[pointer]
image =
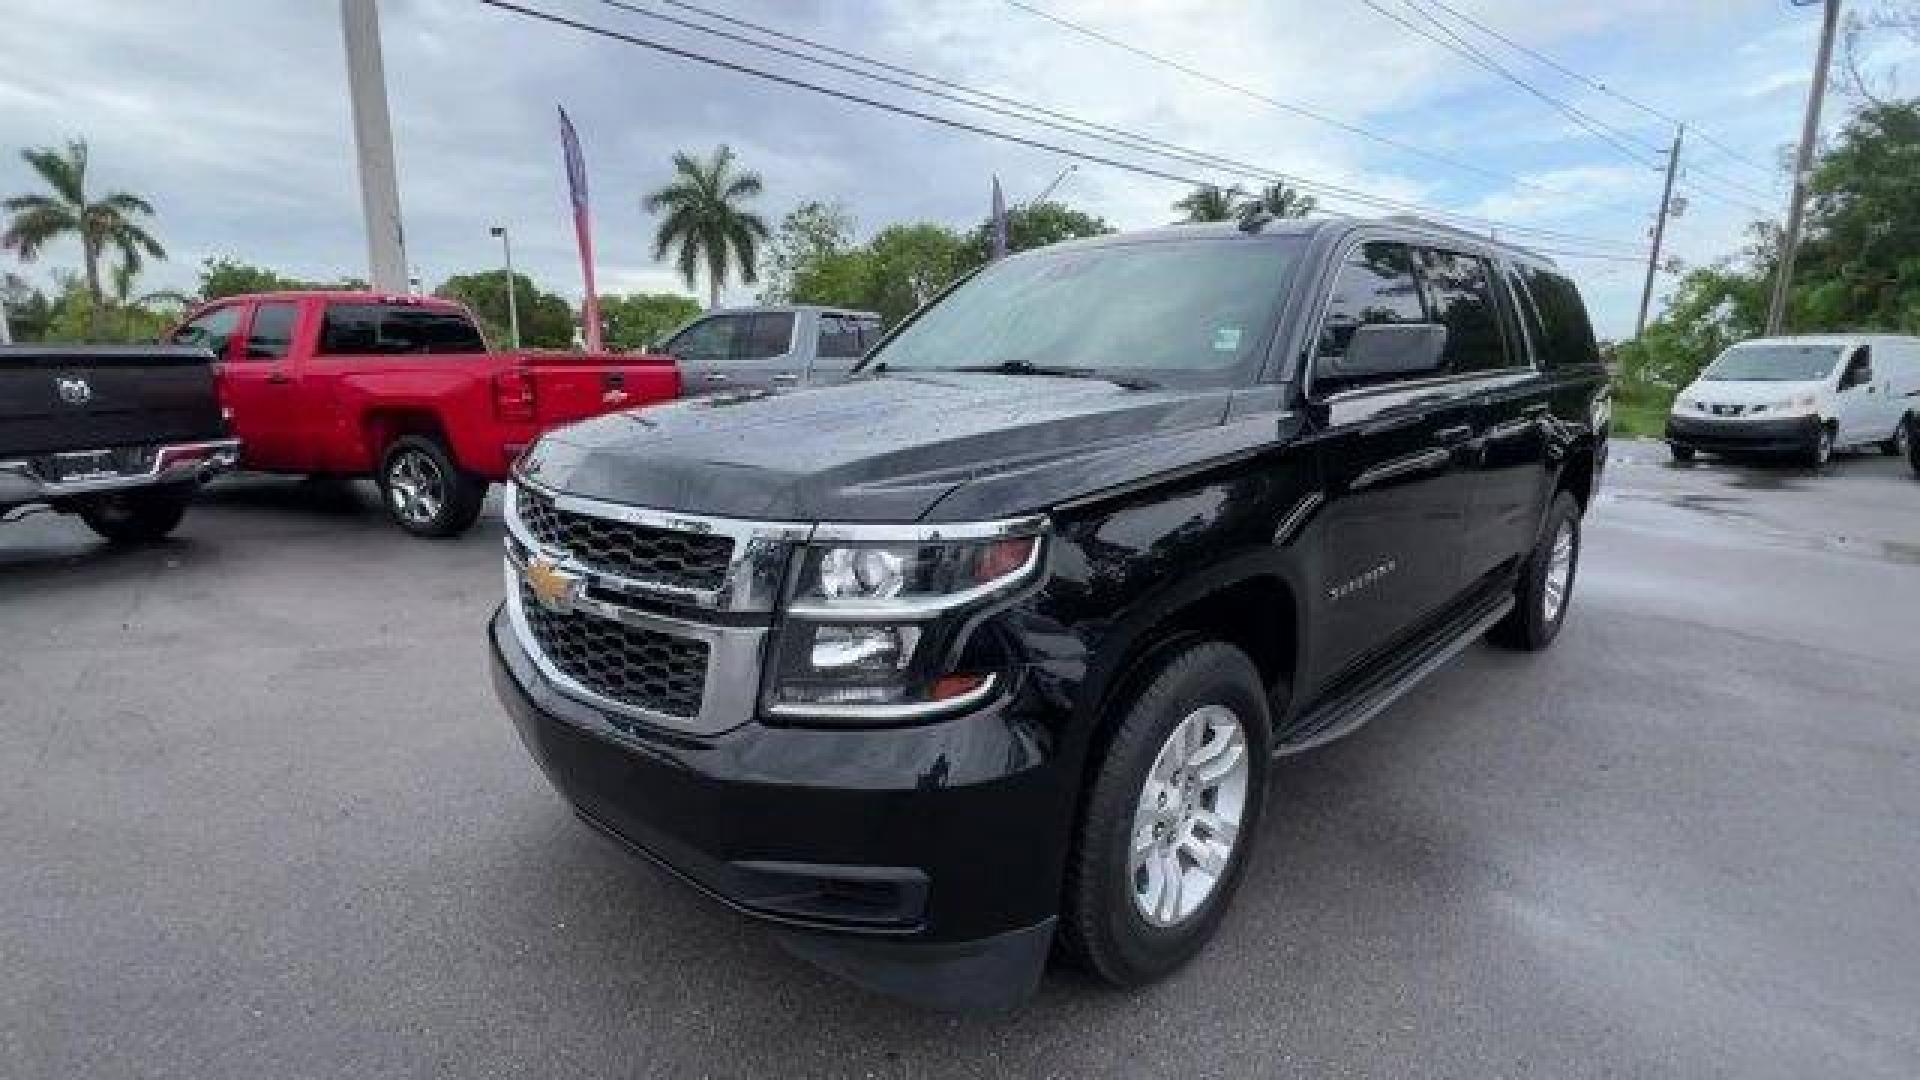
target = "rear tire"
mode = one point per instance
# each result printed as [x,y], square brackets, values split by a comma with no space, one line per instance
[1185,770]
[1545,589]
[137,517]
[424,490]
[1682,454]
[1901,445]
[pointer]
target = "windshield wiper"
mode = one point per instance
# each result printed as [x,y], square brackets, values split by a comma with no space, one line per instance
[1023,367]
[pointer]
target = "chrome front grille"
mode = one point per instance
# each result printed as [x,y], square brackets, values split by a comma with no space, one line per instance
[640,553]
[636,666]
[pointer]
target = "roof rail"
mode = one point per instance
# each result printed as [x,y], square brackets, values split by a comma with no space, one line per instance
[1465,234]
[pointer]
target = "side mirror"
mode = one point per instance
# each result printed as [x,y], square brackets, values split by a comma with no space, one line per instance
[1390,349]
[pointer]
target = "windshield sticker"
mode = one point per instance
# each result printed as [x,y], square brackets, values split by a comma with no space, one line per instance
[1226,338]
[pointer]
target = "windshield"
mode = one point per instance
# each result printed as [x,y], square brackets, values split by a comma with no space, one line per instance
[1773,362]
[1194,310]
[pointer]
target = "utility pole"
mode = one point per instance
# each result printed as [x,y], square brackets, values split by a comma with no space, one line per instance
[6,332]
[1802,167]
[373,139]
[1660,229]
[513,305]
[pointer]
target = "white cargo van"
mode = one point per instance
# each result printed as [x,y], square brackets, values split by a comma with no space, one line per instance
[1806,396]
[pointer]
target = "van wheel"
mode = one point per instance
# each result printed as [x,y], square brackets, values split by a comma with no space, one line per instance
[1821,451]
[1902,442]
[1681,453]
[1171,814]
[137,517]
[1545,589]
[425,492]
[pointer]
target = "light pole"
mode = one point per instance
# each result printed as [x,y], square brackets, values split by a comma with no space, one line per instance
[513,306]
[1057,181]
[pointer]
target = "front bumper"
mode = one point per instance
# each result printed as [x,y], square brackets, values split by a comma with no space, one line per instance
[923,861]
[26,481]
[1784,435]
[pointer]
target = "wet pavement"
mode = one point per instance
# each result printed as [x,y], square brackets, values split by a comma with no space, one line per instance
[262,818]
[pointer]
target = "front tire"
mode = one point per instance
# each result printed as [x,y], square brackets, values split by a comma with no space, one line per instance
[1901,445]
[1171,815]
[1682,454]
[1545,589]
[425,491]
[137,517]
[1821,451]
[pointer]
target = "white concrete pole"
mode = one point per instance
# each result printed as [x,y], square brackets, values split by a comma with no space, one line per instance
[373,140]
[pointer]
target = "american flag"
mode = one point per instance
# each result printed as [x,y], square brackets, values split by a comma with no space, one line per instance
[582,231]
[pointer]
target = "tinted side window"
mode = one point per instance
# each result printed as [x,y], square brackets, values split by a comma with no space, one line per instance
[870,333]
[839,337]
[211,331]
[271,335]
[707,342]
[1462,295]
[770,334]
[1566,335]
[382,330]
[1375,285]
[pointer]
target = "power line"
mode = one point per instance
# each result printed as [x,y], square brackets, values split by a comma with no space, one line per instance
[1127,139]
[1284,106]
[1703,136]
[1420,6]
[1607,133]
[934,118]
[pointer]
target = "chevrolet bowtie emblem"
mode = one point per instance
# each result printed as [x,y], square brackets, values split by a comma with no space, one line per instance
[553,587]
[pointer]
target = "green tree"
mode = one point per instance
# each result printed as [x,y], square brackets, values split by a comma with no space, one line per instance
[27,308]
[705,222]
[1033,225]
[808,234]
[112,224]
[1281,200]
[908,265]
[1211,202]
[228,276]
[638,320]
[1859,267]
[546,320]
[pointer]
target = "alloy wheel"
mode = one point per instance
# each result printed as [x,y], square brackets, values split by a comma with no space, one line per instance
[1188,816]
[1559,572]
[415,487]
[1823,448]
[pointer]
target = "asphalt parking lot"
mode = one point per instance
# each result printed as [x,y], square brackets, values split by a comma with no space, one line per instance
[261,817]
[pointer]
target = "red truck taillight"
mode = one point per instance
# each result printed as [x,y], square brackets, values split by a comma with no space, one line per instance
[513,394]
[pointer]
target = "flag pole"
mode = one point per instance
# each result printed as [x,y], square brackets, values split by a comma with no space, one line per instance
[582,230]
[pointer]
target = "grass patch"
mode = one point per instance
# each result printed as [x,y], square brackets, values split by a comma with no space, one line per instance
[1640,419]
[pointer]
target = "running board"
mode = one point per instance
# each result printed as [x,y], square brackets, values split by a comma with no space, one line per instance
[1340,718]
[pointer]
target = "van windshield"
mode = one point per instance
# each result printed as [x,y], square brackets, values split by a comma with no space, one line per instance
[1773,362]
[1197,310]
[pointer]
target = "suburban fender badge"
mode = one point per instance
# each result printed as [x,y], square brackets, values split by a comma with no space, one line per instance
[74,391]
[553,587]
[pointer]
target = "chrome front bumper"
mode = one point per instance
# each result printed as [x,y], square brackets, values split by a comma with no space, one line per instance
[22,482]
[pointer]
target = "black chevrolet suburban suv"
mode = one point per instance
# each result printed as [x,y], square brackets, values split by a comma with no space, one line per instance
[989,649]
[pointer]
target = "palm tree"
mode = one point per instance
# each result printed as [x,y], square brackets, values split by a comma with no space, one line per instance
[1211,202]
[112,223]
[1282,201]
[704,220]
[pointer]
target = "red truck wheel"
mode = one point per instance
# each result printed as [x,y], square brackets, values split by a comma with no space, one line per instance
[425,491]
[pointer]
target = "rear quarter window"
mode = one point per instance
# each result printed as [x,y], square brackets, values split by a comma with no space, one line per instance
[1557,319]
[397,330]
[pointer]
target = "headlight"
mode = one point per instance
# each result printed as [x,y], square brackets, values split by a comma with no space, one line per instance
[1799,404]
[879,630]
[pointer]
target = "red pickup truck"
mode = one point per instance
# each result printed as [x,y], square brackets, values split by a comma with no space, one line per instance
[403,388]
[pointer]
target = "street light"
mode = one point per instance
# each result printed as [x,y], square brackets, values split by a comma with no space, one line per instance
[513,306]
[1048,190]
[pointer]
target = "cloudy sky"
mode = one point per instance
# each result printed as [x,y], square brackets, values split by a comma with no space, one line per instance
[232,117]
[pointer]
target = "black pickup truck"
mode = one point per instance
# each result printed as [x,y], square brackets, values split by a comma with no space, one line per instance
[990,648]
[120,435]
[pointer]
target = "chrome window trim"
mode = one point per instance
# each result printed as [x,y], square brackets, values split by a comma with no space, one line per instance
[731,683]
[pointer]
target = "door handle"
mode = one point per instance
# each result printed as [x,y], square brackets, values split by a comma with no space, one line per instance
[1449,436]
[715,376]
[278,377]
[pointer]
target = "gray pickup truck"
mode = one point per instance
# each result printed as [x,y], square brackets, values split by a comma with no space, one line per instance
[120,435]
[770,348]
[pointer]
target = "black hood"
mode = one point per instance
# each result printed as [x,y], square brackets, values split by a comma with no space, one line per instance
[878,449]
